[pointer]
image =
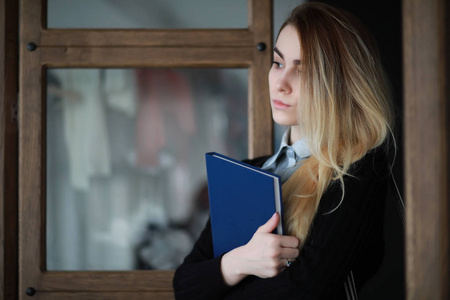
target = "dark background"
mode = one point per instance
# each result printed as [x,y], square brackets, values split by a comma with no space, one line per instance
[384,20]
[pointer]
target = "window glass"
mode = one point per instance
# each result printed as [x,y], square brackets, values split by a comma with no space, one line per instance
[147,14]
[126,177]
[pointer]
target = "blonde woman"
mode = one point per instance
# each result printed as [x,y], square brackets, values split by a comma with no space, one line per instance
[326,83]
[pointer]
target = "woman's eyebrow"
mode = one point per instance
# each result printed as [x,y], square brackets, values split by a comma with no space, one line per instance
[295,61]
[278,52]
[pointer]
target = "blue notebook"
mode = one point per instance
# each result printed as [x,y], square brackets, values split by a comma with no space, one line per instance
[241,198]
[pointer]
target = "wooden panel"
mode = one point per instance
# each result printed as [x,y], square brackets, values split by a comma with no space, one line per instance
[146,57]
[147,37]
[30,168]
[104,281]
[426,75]
[30,151]
[2,149]
[104,295]
[260,131]
[8,149]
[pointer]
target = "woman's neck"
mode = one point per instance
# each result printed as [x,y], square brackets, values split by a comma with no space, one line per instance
[294,134]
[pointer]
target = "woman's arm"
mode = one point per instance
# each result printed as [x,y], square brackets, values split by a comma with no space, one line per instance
[199,276]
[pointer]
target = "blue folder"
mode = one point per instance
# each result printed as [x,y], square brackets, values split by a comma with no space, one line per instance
[241,198]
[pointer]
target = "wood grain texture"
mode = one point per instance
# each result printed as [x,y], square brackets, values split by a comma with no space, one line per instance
[260,131]
[146,37]
[2,153]
[31,182]
[426,75]
[104,295]
[8,150]
[146,57]
[95,281]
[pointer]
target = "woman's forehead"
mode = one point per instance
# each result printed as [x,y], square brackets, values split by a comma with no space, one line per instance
[288,44]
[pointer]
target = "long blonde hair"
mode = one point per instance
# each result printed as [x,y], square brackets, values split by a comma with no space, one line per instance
[344,107]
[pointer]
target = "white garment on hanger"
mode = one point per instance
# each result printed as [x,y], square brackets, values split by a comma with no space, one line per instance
[85,126]
[120,90]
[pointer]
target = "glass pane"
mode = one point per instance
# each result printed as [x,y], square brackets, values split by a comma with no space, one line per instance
[147,14]
[126,178]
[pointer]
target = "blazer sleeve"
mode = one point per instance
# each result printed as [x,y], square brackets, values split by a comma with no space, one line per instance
[199,276]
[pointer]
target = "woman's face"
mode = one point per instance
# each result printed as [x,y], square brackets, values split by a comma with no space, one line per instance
[284,77]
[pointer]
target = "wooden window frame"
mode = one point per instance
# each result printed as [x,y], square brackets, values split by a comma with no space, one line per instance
[42,48]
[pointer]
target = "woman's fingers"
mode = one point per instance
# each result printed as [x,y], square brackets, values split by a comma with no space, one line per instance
[270,225]
[285,263]
[265,255]
[289,253]
[289,242]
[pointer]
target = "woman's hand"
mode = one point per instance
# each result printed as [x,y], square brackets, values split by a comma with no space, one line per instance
[265,255]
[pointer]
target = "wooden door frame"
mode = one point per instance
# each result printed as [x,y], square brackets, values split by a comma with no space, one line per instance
[427,144]
[8,149]
[42,48]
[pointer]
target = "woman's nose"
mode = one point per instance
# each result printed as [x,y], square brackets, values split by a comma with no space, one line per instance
[283,84]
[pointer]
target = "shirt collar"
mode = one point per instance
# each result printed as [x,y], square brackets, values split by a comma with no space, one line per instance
[300,148]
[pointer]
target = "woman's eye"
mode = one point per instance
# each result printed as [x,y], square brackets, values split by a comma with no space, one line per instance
[278,64]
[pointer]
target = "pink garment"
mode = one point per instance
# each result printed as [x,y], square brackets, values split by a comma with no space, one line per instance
[150,137]
[165,115]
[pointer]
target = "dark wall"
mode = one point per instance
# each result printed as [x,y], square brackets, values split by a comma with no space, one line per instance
[383,18]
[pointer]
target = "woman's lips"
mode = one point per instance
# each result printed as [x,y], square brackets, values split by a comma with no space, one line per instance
[280,104]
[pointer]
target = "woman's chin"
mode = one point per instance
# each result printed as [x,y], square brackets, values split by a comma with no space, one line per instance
[283,121]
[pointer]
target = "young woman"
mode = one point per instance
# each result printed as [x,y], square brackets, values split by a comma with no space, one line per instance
[327,85]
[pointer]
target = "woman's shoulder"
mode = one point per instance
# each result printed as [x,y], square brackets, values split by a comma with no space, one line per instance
[374,163]
[366,179]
